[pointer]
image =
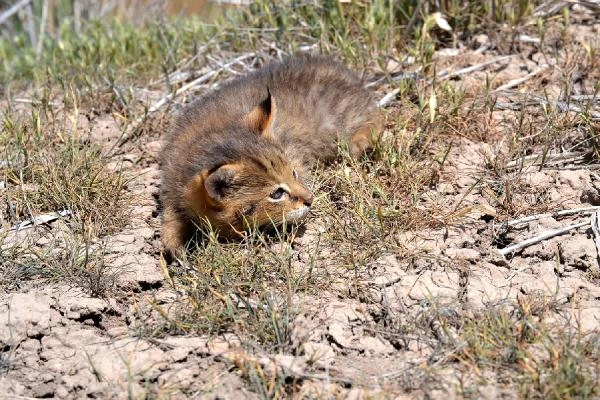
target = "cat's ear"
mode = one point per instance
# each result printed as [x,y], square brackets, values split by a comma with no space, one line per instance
[210,188]
[220,182]
[261,118]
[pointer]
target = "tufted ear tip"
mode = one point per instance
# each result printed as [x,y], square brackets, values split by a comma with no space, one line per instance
[261,117]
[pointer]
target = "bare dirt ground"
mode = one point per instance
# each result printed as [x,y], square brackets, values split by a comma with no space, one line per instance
[57,341]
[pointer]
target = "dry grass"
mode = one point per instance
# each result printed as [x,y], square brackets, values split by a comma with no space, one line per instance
[49,167]
[243,287]
[544,359]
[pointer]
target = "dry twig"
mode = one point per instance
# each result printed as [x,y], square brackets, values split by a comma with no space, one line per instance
[596,230]
[198,81]
[129,133]
[533,99]
[385,100]
[448,75]
[539,238]
[582,210]
[541,159]
[515,82]
[40,219]
[13,10]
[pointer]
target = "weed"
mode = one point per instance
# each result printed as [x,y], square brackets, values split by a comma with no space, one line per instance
[47,173]
[245,287]
[80,264]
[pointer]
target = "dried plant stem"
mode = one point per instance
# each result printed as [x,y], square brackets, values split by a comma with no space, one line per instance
[448,75]
[515,82]
[43,21]
[13,10]
[541,237]
[130,132]
[40,219]
[582,210]
[596,230]
[539,159]
[412,21]
[385,100]
[533,99]
[198,81]
[515,272]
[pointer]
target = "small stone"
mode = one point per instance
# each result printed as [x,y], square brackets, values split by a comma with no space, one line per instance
[578,252]
[145,233]
[374,345]
[497,259]
[218,346]
[464,254]
[539,58]
[321,354]
[195,344]
[140,269]
[589,319]
[340,336]
[393,66]
[43,390]
[30,346]
[132,158]
[590,196]
[294,364]
[177,377]
[481,39]
[117,331]
[179,354]
[166,296]
[576,179]
[26,314]
[124,238]
[447,52]
[446,188]
[61,392]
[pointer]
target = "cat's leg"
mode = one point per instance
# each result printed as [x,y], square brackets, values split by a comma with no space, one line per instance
[365,137]
[175,231]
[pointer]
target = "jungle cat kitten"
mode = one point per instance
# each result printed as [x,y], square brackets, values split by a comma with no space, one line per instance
[234,157]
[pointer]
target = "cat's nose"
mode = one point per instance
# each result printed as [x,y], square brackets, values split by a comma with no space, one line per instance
[308,200]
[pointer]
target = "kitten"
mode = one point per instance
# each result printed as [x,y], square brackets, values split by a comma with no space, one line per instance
[234,158]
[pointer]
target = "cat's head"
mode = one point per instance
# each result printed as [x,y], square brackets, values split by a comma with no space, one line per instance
[257,186]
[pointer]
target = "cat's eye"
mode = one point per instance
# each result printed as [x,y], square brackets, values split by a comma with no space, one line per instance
[278,194]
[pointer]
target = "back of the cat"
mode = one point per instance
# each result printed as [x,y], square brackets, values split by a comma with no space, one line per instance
[316,100]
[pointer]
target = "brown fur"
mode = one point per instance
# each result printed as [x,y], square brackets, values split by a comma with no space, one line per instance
[231,150]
